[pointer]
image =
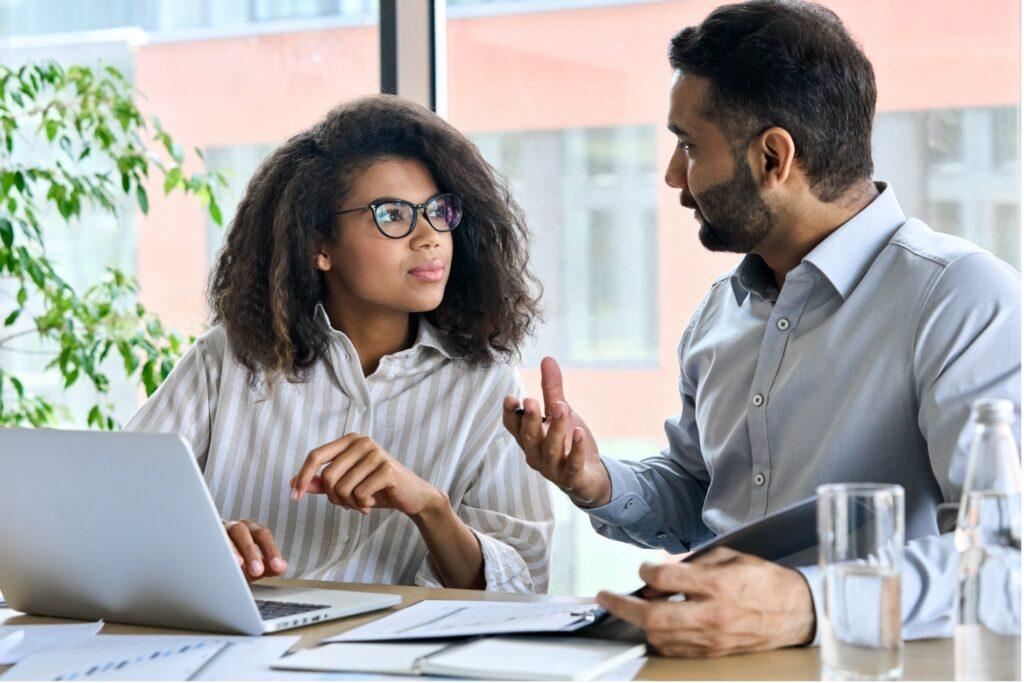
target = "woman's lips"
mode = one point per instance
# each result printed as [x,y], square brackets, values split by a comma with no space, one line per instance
[431,271]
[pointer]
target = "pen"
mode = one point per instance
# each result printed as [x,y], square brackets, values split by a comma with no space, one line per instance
[522,411]
[10,641]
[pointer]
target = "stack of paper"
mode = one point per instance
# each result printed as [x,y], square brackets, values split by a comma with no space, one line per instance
[457,618]
[513,658]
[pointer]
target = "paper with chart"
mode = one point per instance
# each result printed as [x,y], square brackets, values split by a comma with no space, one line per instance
[246,659]
[119,658]
[197,658]
[39,637]
[454,618]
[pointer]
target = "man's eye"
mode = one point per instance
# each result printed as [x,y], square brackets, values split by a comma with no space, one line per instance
[685,146]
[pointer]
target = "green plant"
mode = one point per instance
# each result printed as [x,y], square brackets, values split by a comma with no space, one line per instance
[72,139]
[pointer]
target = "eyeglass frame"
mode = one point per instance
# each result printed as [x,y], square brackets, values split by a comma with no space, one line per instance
[417,209]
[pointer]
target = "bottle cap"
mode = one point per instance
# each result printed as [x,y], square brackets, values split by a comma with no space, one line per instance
[992,410]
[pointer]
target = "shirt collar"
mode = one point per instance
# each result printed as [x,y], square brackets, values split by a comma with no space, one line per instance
[843,257]
[427,335]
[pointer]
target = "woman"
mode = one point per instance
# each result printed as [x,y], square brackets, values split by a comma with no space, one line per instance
[371,290]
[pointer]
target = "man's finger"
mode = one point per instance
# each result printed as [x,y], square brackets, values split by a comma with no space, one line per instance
[719,555]
[509,417]
[553,448]
[531,430]
[551,383]
[680,577]
[316,458]
[633,610]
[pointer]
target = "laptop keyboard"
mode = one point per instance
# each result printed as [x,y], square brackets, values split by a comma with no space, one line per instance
[274,609]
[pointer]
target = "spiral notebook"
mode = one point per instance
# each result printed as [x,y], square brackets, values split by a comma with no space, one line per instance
[516,658]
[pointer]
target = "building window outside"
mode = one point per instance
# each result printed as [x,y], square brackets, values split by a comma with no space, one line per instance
[589,196]
[958,170]
[239,162]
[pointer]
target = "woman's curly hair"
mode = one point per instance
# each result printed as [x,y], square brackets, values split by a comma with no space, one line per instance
[264,287]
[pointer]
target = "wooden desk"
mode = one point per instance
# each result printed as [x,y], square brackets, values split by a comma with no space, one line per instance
[923,660]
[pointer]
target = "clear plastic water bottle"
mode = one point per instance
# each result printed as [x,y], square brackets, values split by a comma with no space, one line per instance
[988,631]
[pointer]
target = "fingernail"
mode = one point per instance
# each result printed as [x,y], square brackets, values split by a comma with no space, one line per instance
[255,568]
[240,561]
[295,495]
[278,564]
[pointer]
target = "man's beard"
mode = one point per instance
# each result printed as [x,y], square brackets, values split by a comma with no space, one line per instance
[735,217]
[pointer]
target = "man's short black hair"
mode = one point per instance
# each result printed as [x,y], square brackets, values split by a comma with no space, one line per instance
[791,64]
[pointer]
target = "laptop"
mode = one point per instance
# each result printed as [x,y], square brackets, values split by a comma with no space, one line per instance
[120,526]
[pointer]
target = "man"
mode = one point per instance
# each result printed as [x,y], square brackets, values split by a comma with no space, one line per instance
[848,344]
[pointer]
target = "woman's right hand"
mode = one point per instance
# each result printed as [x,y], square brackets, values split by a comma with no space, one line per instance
[255,550]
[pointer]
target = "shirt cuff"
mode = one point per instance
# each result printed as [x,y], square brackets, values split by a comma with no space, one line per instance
[504,568]
[812,576]
[627,504]
[505,571]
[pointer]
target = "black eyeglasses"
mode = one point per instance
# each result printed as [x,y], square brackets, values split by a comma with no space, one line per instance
[396,218]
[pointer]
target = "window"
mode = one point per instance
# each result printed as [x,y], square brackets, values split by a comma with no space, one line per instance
[239,163]
[589,196]
[244,89]
[40,17]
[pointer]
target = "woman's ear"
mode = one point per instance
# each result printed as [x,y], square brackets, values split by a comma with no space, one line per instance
[321,261]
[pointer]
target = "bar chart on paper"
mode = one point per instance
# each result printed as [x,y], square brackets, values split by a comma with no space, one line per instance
[108,658]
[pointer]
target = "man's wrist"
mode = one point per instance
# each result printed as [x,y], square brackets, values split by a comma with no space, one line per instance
[598,498]
[805,625]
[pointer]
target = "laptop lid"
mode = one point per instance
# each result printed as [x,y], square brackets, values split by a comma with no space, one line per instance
[118,526]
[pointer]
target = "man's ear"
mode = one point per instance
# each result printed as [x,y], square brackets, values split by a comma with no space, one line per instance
[775,155]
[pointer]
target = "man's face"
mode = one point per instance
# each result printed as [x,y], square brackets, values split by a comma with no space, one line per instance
[715,180]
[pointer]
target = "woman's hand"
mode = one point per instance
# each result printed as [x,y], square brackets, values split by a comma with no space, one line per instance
[255,550]
[359,474]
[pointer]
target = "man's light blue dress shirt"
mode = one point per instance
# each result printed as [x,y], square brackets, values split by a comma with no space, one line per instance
[862,368]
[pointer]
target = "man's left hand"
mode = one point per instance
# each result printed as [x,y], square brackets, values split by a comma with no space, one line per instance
[735,603]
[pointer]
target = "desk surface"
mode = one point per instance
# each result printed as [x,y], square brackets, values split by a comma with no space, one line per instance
[922,660]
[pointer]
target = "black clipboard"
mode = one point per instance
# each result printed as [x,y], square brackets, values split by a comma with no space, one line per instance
[788,532]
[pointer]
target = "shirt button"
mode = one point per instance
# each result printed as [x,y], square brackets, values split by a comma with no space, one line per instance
[662,536]
[783,324]
[362,409]
[757,400]
[759,479]
[629,504]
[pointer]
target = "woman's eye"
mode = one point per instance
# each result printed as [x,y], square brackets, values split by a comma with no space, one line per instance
[389,214]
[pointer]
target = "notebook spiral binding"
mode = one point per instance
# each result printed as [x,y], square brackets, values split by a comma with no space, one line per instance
[454,647]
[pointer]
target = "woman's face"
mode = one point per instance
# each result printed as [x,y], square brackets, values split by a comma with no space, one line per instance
[363,268]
